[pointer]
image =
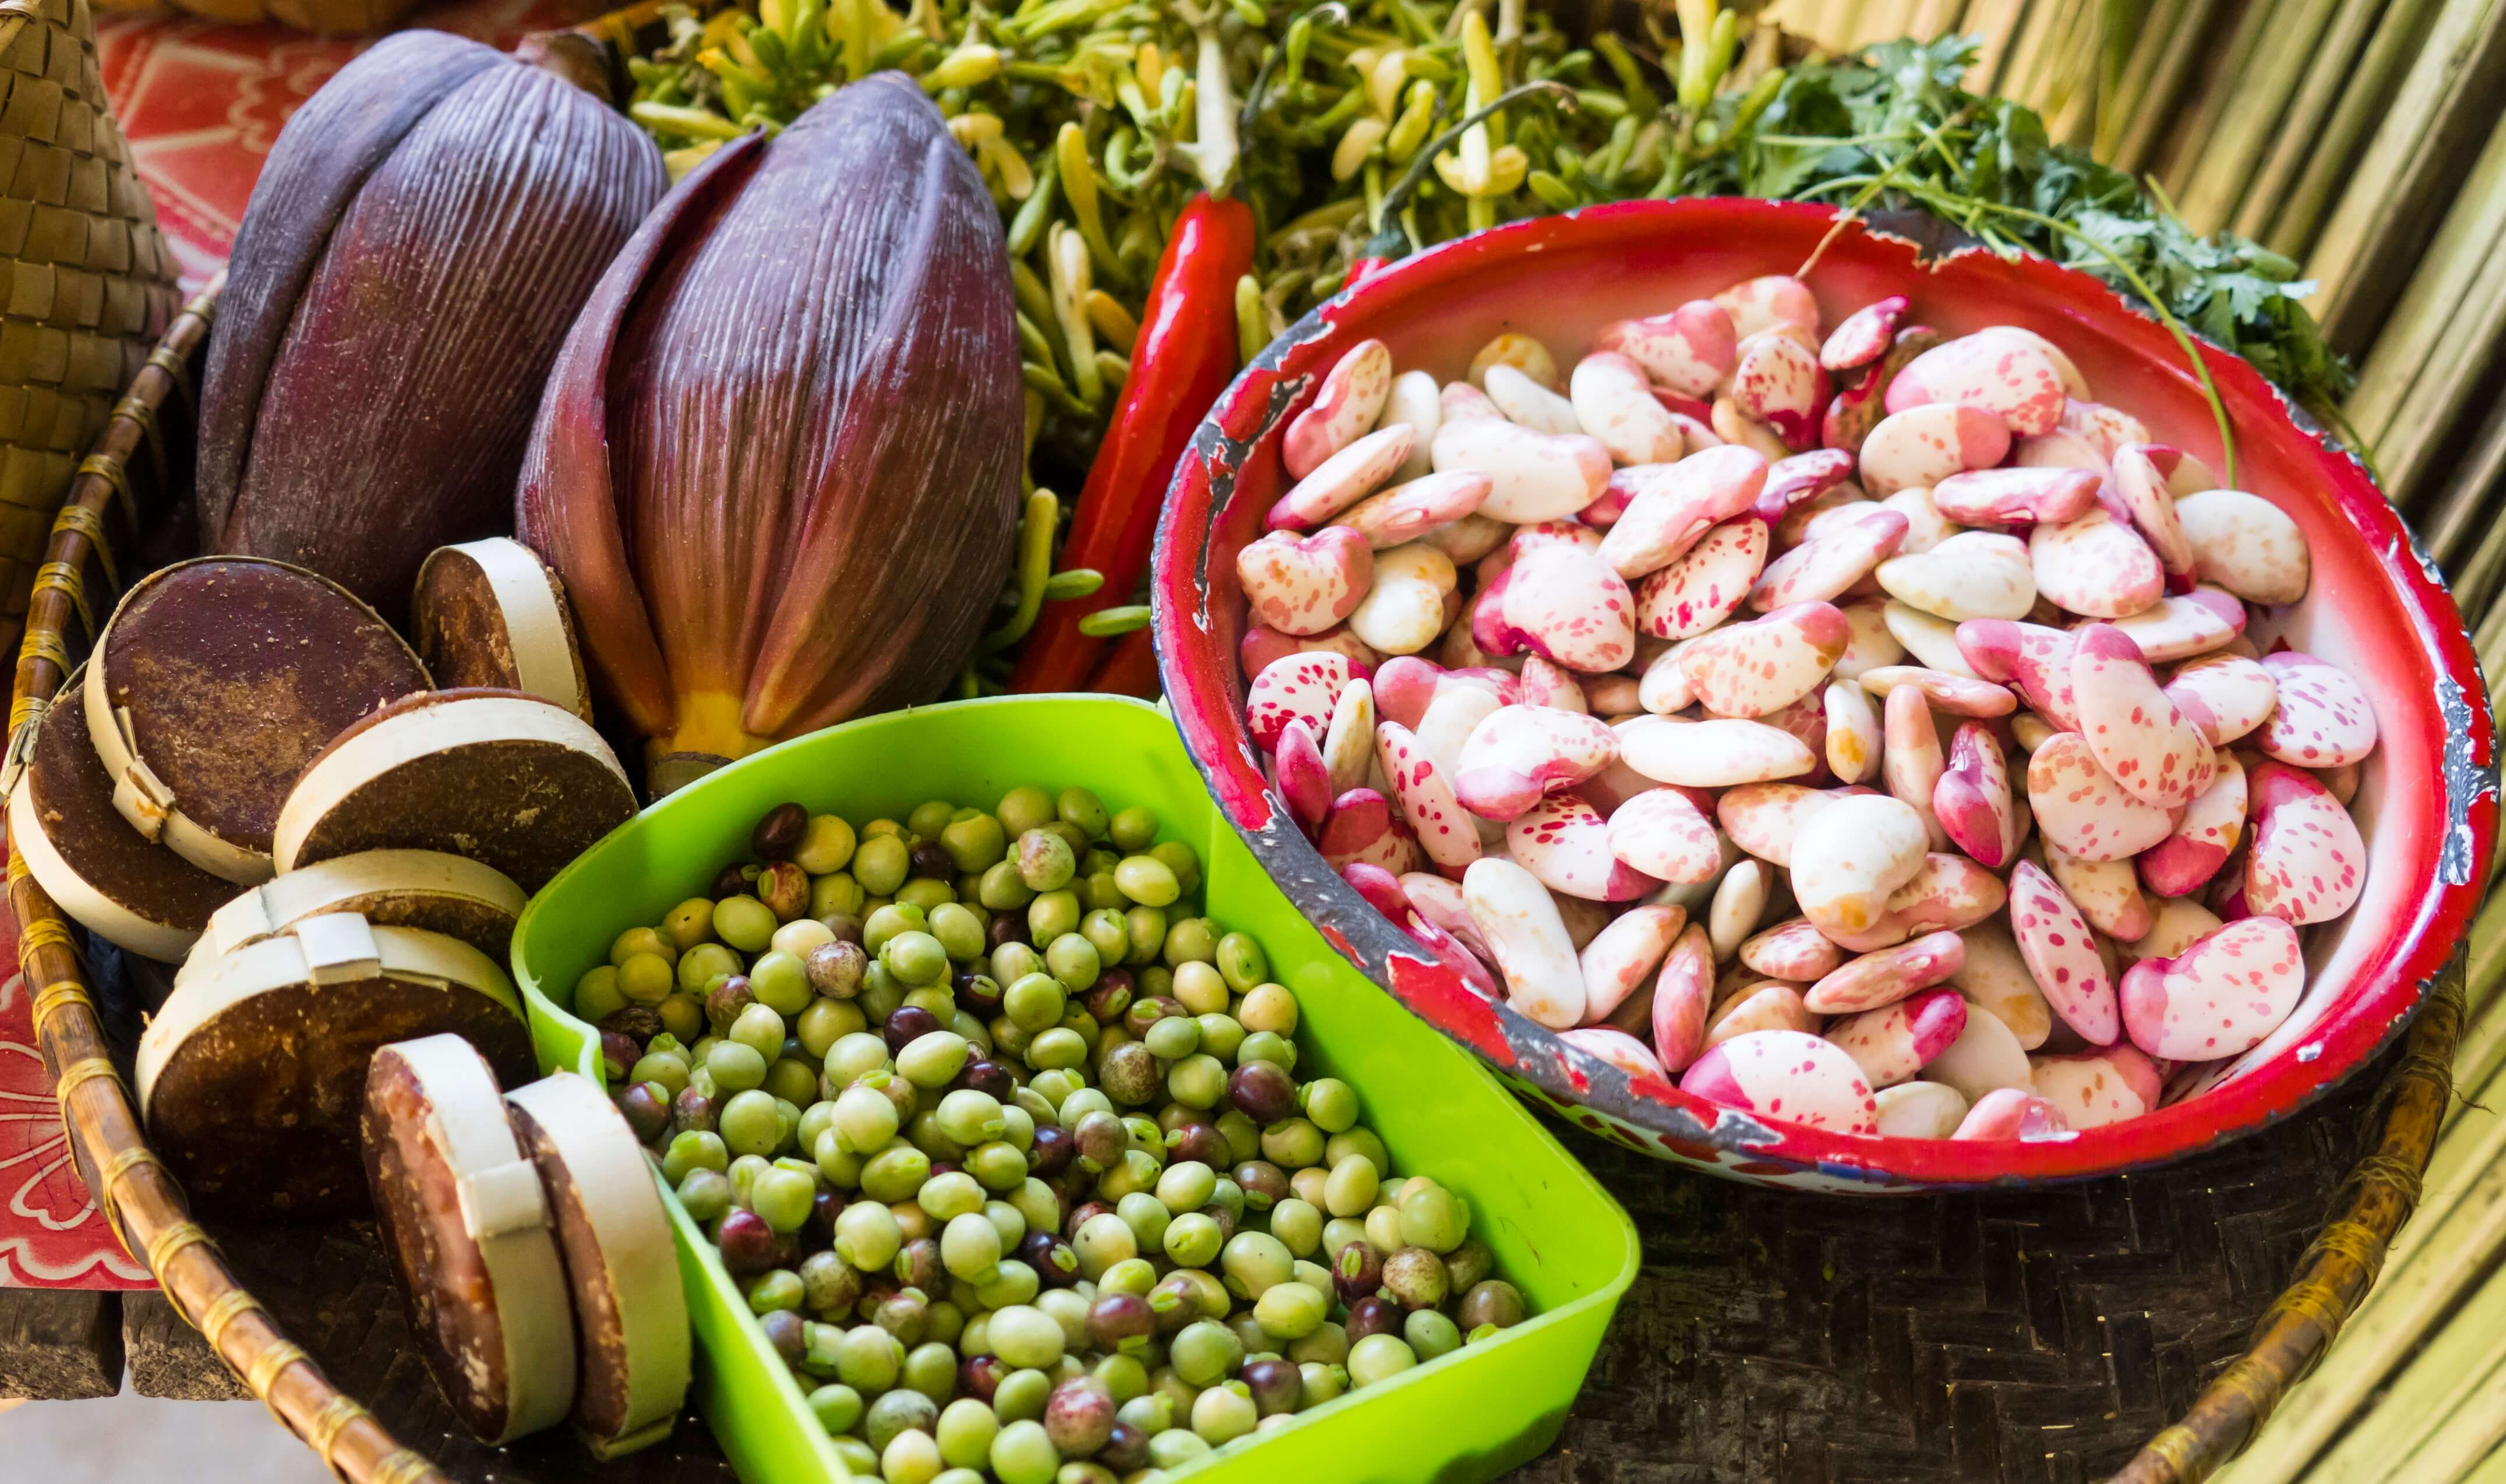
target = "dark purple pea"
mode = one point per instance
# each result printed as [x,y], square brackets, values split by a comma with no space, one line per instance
[1264,1185]
[980,1376]
[1055,1265]
[835,969]
[847,928]
[638,1023]
[1277,1386]
[1144,1013]
[931,859]
[1227,1220]
[647,1107]
[906,1023]
[1263,1091]
[1109,996]
[1357,1271]
[1201,1142]
[784,888]
[904,1314]
[779,833]
[1101,1139]
[1175,1302]
[726,999]
[733,881]
[1007,927]
[1372,1315]
[692,1111]
[1079,1416]
[1126,1450]
[986,1076]
[619,1055]
[1491,1301]
[1083,1213]
[819,1231]
[1050,1152]
[1122,1321]
[784,1331]
[978,993]
[747,1243]
[917,1263]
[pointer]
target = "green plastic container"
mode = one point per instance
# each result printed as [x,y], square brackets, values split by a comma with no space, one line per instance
[1556,1234]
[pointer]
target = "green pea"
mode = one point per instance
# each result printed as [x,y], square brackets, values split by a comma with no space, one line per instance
[947,1197]
[1134,830]
[959,930]
[965,1432]
[1034,1002]
[1025,1336]
[1152,981]
[1330,1103]
[929,818]
[736,1067]
[1180,859]
[1147,880]
[597,996]
[1266,1046]
[1298,1226]
[1351,1187]
[700,965]
[669,1067]
[1378,1358]
[695,1150]
[996,1166]
[932,1059]
[1056,1049]
[748,1125]
[1431,1334]
[1291,1311]
[1200,989]
[835,895]
[974,840]
[1084,809]
[1025,808]
[879,864]
[1022,1453]
[860,1460]
[706,1194]
[1052,914]
[1186,1185]
[744,923]
[826,1022]
[868,1358]
[1045,862]
[1144,932]
[1105,931]
[970,1248]
[1205,1352]
[1361,1142]
[1191,940]
[1193,1240]
[1433,1217]
[689,923]
[888,922]
[646,978]
[1001,890]
[925,893]
[758,1028]
[915,958]
[1220,1036]
[1197,1081]
[1013,1282]
[1254,1261]
[838,1407]
[894,1174]
[1073,960]
[780,981]
[781,1198]
[1173,1448]
[1292,1144]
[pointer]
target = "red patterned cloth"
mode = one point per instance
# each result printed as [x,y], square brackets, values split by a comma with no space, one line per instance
[200,104]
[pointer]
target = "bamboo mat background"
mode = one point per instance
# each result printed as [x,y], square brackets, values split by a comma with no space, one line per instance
[2366,139]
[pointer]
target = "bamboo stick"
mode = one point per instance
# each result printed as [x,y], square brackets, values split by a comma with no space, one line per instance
[2213,90]
[2409,171]
[2367,1452]
[1935,18]
[2475,585]
[2482,1052]
[2439,292]
[2422,426]
[2366,92]
[2301,129]
[2252,112]
[2162,98]
[2149,40]
[1993,23]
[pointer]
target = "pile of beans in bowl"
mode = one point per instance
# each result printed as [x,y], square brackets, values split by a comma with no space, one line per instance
[1857,726]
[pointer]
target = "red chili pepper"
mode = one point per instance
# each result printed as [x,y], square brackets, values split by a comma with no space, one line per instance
[1185,356]
[1131,669]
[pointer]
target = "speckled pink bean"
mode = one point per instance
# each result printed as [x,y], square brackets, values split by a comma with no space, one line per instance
[1568,605]
[1303,586]
[1674,505]
[2032,658]
[2096,567]
[1793,950]
[1871,645]
[1262,643]
[1461,402]
[1705,584]
[1521,752]
[1756,668]
[1344,479]
[2307,862]
[1787,1076]
[2203,839]
[1564,841]
[1295,688]
[1613,402]
[1404,686]
[1893,1042]
[1996,978]
[1927,444]
[1409,511]
[2003,497]
[1864,335]
[2185,625]
[1689,350]
[2096,1088]
[1955,694]
[1713,754]
[2061,956]
[1919,1110]
[2136,734]
[1425,793]
[1618,1048]
[1739,903]
[2246,544]
[1949,894]
[2220,996]
[1301,777]
[2107,893]
[2225,696]
[1765,302]
[2179,924]
[1925,526]
[1681,996]
[1363,827]
[1527,402]
[1781,384]
[1349,741]
[1468,539]
[1985,1057]
[1854,734]
[1888,976]
[1971,574]
[1352,397]
[1971,798]
[1440,901]
[2010,1113]
[1753,1008]
[1533,476]
[1626,954]
[1518,921]
[1910,764]
[1545,683]
[2006,376]
[2079,807]
[1416,400]
[1663,688]
[1849,858]
[1821,570]
[2143,492]
[1661,833]
[2324,718]
[1800,478]
[2106,429]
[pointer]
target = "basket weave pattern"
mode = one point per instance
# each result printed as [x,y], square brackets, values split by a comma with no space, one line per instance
[119,490]
[329,18]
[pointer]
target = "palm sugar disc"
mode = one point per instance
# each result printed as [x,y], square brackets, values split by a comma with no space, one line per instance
[630,1310]
[252,1075]
[109,878]
[494,775]
[466,1220]
[388,888]
[216,682]
[491,613]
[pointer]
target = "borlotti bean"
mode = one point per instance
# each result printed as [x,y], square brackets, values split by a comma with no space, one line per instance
[1856,725]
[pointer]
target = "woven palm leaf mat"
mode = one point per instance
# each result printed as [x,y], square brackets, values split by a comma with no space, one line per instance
[1773,1338]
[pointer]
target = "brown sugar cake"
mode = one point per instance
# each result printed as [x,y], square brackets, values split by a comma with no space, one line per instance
[491,613]
[389,888]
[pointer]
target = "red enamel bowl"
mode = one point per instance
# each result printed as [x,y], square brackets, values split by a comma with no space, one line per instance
[2427,804]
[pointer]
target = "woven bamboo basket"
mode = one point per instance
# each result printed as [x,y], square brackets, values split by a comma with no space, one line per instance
[328,18]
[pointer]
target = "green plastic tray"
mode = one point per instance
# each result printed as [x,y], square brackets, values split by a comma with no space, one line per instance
[1556,1234]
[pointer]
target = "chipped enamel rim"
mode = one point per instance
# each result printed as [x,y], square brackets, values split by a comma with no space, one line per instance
[1562,276]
